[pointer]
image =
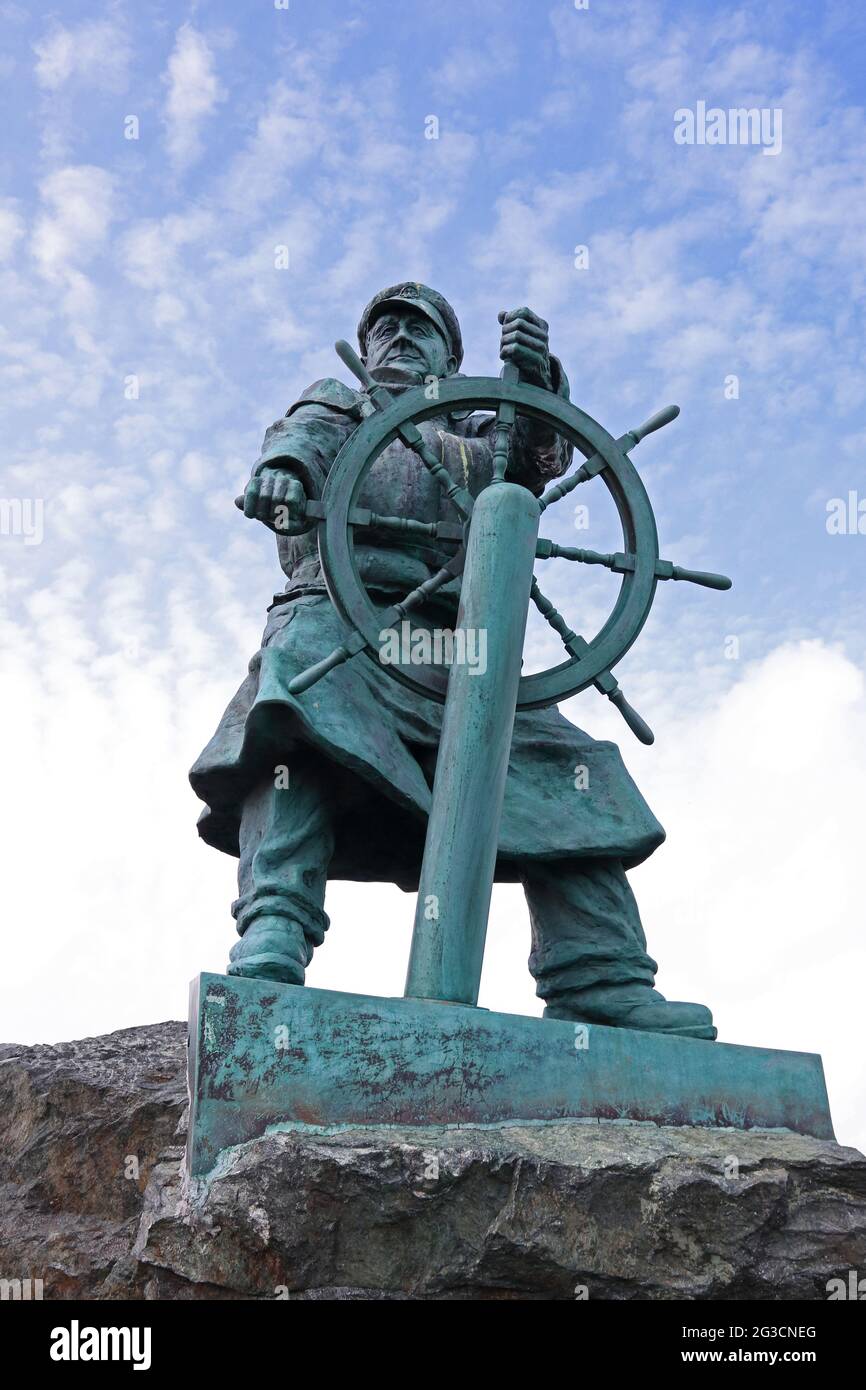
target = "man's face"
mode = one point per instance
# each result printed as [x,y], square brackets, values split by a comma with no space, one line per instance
[410,342]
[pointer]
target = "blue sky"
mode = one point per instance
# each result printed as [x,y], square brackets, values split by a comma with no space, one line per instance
[128,627]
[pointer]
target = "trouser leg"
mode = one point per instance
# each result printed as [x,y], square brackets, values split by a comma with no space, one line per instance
[286,843]
[587,937]
[589,953]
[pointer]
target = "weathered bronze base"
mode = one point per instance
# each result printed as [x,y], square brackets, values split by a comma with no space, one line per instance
[265,1055]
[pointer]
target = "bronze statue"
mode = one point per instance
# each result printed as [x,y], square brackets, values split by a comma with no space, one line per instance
[306,782]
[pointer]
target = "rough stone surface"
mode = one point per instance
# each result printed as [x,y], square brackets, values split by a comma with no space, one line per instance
[510,1211]
[72,1117]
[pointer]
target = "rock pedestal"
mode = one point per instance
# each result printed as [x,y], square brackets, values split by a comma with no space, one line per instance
[96,1203]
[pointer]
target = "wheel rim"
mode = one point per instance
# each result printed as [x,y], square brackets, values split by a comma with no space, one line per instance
[373,435]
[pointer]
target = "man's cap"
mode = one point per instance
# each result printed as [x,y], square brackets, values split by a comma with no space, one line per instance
[412,294]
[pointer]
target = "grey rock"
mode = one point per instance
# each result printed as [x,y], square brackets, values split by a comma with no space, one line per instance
[552,1211]
[82,1125]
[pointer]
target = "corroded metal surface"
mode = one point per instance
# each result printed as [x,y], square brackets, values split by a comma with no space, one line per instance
[264,1054]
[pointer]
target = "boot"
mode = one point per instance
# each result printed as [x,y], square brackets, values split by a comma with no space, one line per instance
[272,948]
[655,1014]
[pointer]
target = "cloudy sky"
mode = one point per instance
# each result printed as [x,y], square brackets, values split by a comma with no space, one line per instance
[153,158]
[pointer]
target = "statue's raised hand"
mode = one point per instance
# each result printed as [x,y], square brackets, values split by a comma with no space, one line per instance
[276,499]
[524,343]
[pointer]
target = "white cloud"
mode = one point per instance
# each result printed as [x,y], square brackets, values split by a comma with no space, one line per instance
[526,250]
[193,94]
[80,201]
[150,252]
[96,53]
[468,68]
[291,130]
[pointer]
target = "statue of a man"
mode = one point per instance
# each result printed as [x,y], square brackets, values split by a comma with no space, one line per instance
[336,783]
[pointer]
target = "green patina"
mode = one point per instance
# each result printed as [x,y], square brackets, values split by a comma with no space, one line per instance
[410,505]
[266,1056]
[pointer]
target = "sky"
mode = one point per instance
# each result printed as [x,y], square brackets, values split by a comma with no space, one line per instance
[160,166]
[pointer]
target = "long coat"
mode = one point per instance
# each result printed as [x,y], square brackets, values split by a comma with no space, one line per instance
[379,738]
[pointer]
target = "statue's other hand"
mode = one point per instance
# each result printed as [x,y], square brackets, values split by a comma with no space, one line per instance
[524,343]
[276,499]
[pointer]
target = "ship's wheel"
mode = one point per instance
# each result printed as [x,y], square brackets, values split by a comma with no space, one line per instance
[588,661]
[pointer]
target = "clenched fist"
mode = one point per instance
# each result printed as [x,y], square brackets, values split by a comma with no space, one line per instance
[524,343]
[276,499]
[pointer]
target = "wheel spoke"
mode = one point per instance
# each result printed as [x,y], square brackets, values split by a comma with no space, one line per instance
[353,644]
[606,683]
[438,530]
[505,417]
[665,570]
[621,562]
[425,590]
[597,464]
[460,496]
[552,615]
[609,686]
[587,470]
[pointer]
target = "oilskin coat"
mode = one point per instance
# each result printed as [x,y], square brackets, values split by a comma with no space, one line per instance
[379,738]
